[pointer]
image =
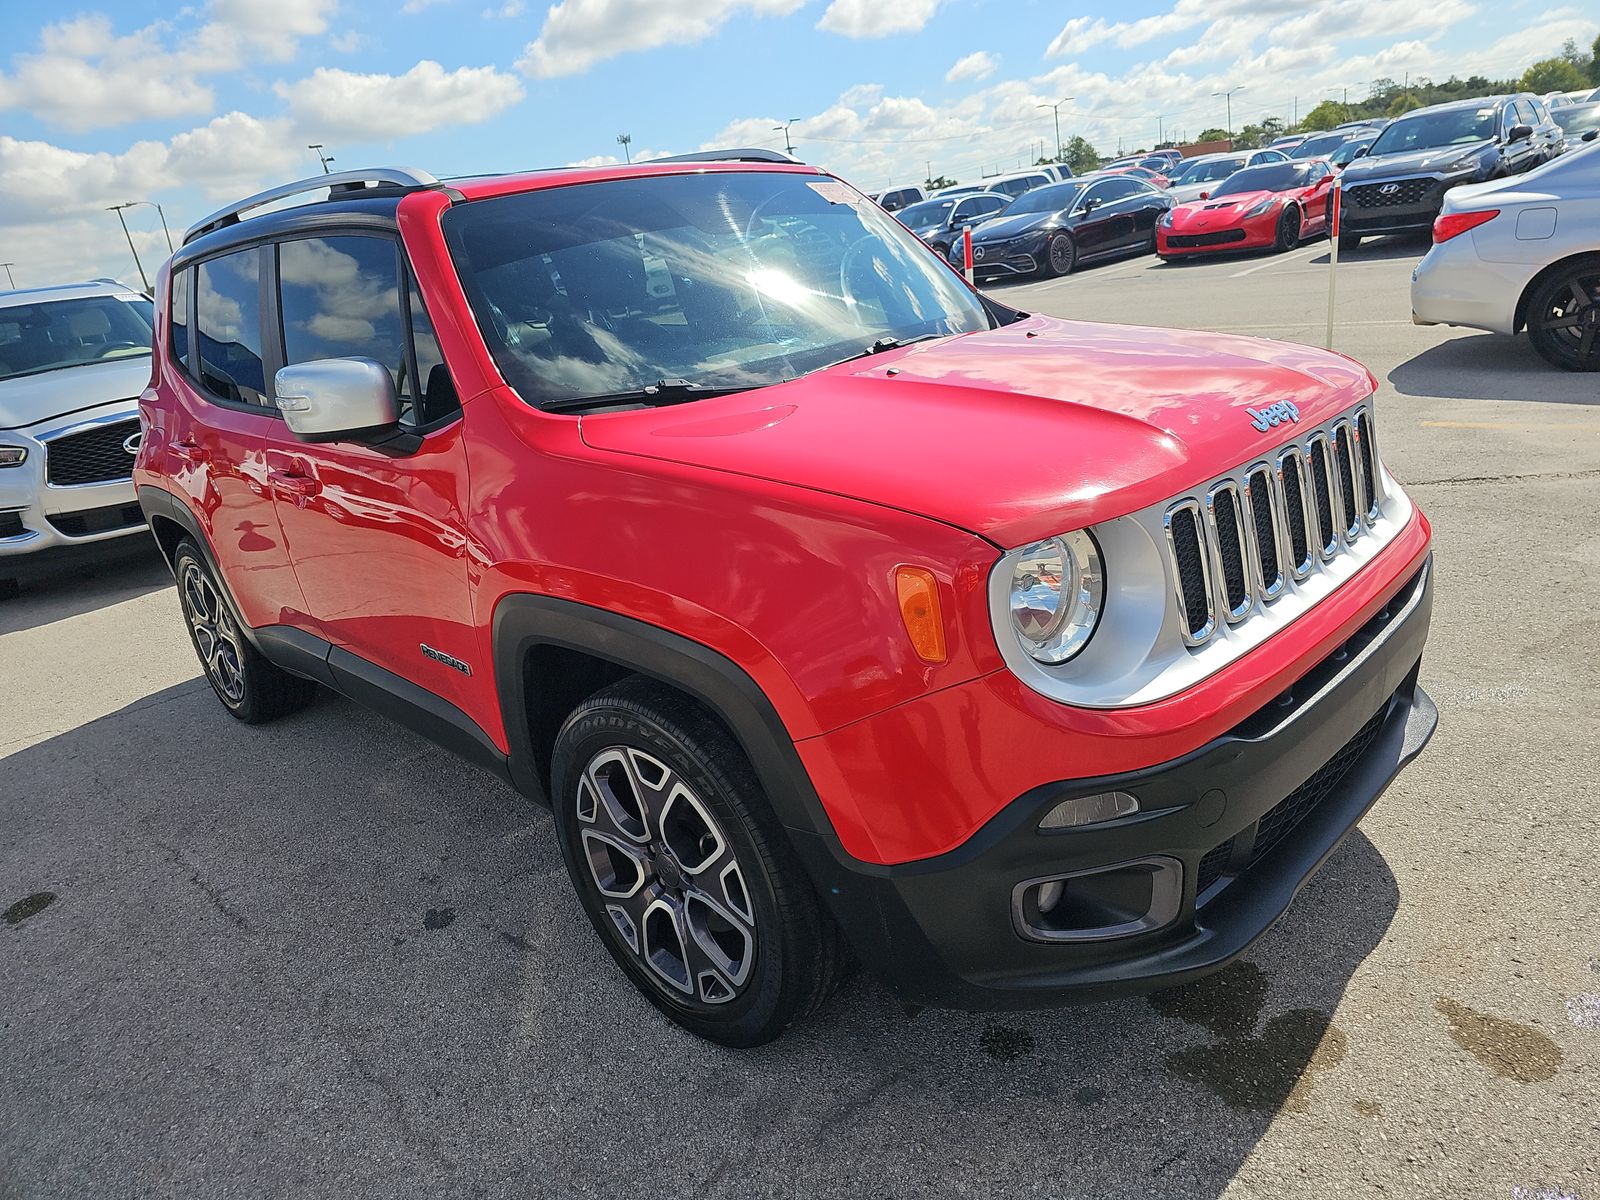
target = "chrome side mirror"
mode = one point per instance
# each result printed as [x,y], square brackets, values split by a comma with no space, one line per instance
[336,398]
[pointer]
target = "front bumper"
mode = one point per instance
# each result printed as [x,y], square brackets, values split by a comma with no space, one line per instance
[1411,208]
[1257,233]
[37,514]
[1243,822]
[1025,256]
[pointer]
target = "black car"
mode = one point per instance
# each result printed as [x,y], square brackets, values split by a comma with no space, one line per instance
[1578,121]
[1398,186]
[939,221]
[1050,230]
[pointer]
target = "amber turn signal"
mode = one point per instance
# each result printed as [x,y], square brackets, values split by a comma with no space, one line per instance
[918,592]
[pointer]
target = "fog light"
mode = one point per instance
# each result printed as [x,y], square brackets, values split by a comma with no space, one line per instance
[1090,810]
[1100,904]
[13,456]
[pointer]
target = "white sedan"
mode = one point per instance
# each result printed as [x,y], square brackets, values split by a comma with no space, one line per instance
[1521,253]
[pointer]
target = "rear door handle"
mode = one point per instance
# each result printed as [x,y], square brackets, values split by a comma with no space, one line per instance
[190,450]
[287,483]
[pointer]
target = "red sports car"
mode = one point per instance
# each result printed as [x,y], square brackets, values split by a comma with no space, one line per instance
[1275,205]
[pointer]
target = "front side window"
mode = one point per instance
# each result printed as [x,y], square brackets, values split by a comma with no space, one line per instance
[228,325]
[723,280]
[55,334]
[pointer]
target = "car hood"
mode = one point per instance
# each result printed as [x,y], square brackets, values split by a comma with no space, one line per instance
[1014,434]
[1001,228]
[1214,214]
[33,398]
[1417,161]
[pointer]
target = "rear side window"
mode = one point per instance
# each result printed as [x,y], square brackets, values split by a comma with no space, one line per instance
[178,322]
[341,298]
[228,323]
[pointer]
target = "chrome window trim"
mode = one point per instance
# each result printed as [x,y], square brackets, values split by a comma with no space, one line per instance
[1192,506]
[1233,615]
[1293,455]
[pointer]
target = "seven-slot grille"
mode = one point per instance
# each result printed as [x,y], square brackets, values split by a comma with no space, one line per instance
[93,455]
[1252,536]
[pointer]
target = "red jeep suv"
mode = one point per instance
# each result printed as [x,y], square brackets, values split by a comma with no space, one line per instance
[839,612]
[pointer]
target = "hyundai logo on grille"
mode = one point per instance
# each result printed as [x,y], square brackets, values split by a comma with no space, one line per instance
[1274,414]
[1388,189]
[131,442]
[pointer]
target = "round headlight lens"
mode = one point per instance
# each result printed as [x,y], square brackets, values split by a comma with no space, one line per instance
[1057,594]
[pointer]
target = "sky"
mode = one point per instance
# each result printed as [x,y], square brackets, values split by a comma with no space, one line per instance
[192,107]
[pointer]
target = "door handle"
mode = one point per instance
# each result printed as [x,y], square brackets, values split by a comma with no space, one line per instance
[190,450]
[287,483]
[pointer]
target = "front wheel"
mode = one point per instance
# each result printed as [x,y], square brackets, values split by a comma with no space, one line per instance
[1564,317]
[1060,255]
[250,688]
[683,869]
[1288,229]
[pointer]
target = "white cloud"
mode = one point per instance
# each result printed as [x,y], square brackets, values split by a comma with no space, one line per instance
[351,106]
[577,34]
[980,64]
[877,18]
[84,75]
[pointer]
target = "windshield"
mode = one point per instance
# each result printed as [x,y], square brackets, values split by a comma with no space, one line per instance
[1577,119]
[1207,171]
[1273,177]
[1046,199]
[1449,127]
[721,279]
[1319,147]
[929,212]
[54,334]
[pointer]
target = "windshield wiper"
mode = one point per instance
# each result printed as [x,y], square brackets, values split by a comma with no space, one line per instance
[885,343]
[663,391]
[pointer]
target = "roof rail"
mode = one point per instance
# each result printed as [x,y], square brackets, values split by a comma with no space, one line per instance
[740,154]
[339,183]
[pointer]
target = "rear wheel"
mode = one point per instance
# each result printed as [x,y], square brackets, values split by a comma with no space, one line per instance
[1288,228]
[684,871]
[1564,317]
[250,688]
[1348,242]
[1060,255]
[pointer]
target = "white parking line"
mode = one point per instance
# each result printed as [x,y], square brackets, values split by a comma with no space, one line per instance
[1277,261]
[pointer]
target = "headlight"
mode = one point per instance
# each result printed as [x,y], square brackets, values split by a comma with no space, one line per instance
[1263,206]
[1058,589]
[13,456]
[1166,220]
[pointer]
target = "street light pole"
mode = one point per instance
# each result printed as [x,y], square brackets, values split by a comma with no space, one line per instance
[788,146]
[324,159]
[160,214]
[117,208]
[10,282]
[625,140]
[1228,97]
[1056,109]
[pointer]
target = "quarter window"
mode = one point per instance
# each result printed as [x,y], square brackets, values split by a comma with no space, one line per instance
[228,322]
[178,320]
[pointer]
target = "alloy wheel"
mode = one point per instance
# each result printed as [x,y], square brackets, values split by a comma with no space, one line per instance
[216,638]
[1289,228]
[1061,254]
[1572,319]
[667,877]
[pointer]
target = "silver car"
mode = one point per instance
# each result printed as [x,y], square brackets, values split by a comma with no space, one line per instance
[1521,253]
[1199,176]
[73,360]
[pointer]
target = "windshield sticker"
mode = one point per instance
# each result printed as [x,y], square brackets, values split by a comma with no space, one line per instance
[837,193]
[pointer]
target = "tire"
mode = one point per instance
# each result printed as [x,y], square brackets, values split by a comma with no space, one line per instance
[252,689]
[1564,316]
[9,588]
[1349,242]
[1060,256]
[734,947]
[1288,229]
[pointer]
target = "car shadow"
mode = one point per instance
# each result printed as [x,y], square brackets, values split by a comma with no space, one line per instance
[91,578]
[1380,250]
[1491,366]
[238,942]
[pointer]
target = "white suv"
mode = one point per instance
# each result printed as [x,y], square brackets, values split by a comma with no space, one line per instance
[73,360]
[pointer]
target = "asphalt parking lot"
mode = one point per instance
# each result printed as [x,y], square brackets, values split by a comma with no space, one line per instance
[322,958]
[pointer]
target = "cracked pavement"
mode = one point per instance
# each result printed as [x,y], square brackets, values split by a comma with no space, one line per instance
[323,958]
